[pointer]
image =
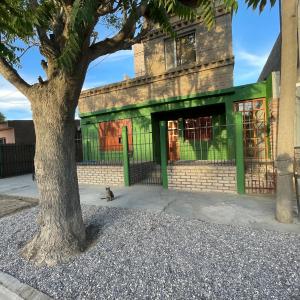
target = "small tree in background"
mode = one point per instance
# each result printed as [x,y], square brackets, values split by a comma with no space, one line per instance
[2,117]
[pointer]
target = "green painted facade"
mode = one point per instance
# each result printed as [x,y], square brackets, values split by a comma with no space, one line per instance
[145,118]
[217,148]
[240,166]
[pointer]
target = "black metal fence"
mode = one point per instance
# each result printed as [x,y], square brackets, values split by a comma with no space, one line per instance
[16,159]
[105,151]
[144,158]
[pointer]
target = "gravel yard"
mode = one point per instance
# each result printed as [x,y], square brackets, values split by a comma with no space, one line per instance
[143,255]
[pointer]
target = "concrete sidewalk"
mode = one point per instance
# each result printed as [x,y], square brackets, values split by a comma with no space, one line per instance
[217,208]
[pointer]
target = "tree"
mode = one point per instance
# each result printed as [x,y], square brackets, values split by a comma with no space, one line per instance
[2,117]
[64,31]
[287,106]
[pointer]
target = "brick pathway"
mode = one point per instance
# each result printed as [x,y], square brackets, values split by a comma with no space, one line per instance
[12,204]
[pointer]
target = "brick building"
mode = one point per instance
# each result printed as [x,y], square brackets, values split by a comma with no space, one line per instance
[17,132]
[187,127]
[21,132]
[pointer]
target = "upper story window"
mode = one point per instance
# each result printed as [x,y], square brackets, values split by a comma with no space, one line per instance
[180,51]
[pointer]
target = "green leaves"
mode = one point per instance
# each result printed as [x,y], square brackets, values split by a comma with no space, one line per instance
[82,17]
[161,10]
[259,4]
[17,21]
[2,117]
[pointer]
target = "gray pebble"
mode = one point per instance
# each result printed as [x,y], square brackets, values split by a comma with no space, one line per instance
[144,255]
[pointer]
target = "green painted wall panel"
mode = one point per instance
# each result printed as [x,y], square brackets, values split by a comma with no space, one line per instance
[146,141]
[214,149]
[90,142]
[126,165]
[142,139]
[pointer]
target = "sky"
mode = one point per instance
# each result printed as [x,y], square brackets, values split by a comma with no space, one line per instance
[253,37]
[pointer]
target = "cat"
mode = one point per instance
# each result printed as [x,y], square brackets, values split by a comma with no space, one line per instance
[109,194]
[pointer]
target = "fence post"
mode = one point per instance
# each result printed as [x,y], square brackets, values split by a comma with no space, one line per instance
[125,156]
[163,153]
[239,153]
[230,129]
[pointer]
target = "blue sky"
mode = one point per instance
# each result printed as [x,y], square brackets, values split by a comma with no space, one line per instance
[253,37]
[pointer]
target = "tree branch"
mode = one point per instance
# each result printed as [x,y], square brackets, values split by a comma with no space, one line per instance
[124,39]
[10,74]
[47,48]
[108,8]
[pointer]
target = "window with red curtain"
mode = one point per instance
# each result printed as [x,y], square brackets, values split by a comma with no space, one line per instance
[198,128]
[110,135]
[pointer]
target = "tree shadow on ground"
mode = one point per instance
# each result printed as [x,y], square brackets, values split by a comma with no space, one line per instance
[100,220]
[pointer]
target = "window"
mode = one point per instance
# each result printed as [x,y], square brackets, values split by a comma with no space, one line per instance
[180,51]
[198,129]
[110,135]
[2,141]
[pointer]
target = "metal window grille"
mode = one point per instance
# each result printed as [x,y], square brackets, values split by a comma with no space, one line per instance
[258,155]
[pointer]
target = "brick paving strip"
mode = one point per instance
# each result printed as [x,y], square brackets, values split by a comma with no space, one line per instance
[11,204]
[12,289]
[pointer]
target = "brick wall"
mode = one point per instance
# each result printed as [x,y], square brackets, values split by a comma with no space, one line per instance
[211,46]
[182,82]
[139,59]
[102,175]
[204,178]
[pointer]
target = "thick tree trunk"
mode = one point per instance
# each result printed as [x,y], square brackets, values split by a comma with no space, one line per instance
[285,151]
[62,232]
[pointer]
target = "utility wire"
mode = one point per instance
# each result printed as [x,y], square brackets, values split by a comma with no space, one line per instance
[99,62]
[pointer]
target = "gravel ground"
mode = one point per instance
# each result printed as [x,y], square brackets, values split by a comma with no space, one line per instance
[143,255]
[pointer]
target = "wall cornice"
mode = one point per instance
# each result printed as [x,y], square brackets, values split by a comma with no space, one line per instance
[142,80]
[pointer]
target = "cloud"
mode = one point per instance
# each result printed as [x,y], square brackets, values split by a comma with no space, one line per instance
[114,57]
[10,99]
[120,55]
[92,84]
[248,65]
[251,59]
[244,75]
[13,103]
